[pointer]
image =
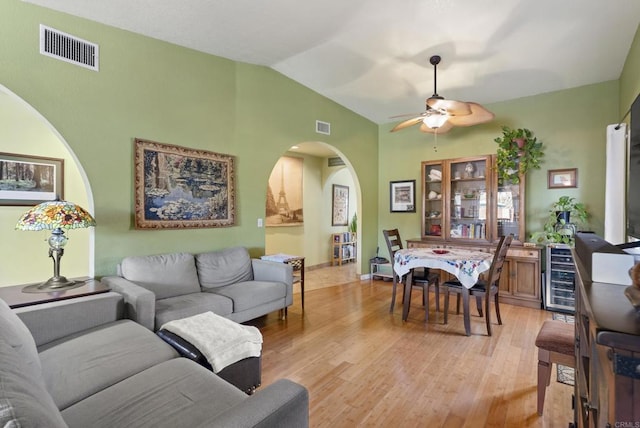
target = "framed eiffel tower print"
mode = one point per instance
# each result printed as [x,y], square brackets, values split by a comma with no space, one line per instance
[284,193]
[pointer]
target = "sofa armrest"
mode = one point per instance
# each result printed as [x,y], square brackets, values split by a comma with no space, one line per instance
[264,270]
[51,321]
[281,404]
[139,303]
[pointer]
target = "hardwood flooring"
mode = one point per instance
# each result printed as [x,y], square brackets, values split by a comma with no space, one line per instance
[363,366]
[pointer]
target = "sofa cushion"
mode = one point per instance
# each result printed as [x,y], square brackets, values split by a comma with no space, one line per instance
[175,308]
[224,267]
[24,400]
[248,294]
[17,335]
[80,365]
[176,393]
[167,275]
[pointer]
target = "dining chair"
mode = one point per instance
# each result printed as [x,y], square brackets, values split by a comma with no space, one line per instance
[422,277]
[486,289]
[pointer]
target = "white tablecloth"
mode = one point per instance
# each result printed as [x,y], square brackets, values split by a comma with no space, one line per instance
[466,265]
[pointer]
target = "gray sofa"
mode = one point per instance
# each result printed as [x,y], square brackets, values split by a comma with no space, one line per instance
[166,287]
[77,363]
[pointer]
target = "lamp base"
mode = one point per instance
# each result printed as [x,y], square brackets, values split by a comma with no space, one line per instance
[53,284]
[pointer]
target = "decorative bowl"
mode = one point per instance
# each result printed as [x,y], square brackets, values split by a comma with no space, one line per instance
[441,251]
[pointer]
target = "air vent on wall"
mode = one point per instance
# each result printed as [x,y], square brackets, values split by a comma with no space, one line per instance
[323,127]
[335,161]
[68,48]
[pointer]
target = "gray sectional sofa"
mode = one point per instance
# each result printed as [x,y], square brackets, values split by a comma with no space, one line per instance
[162,288]
[77,363]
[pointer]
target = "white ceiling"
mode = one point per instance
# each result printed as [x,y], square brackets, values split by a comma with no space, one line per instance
[372,56]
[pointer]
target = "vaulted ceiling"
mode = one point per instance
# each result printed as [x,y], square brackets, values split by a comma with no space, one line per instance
[372,56]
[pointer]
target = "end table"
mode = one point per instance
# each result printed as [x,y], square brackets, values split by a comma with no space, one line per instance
[296,262]
[16,298]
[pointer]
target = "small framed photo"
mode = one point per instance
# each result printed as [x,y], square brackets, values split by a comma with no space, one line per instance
[30,180]
[563,178]
[402,196]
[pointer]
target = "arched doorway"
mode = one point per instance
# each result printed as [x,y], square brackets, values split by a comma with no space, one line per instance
[23,255]
[312,238]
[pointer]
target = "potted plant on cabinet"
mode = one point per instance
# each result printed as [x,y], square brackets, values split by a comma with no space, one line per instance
[554,229]
[518,152]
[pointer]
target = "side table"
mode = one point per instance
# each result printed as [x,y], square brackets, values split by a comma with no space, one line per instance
[296,262]
[376,271]
[16,298]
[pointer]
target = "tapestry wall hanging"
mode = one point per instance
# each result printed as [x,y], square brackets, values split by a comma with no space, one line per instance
[30,180]
[177,187]
[284,193]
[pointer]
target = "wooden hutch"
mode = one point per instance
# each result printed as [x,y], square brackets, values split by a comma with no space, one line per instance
[465,205]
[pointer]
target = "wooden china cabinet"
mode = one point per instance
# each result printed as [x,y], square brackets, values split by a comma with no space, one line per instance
[465,205]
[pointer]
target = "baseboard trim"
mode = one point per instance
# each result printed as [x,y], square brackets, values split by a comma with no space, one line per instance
[320,266]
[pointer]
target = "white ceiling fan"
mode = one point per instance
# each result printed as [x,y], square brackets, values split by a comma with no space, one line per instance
[441,115]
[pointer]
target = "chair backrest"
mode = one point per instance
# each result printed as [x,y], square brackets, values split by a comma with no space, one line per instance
[498,260]
[394,243]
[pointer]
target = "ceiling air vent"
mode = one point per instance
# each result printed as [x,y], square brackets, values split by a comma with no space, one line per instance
[68,48]
[323,127]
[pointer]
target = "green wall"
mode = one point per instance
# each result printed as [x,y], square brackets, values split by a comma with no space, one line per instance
[154,90]
[571,124]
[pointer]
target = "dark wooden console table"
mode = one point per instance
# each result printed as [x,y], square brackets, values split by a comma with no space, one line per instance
[16,298]
[607,381]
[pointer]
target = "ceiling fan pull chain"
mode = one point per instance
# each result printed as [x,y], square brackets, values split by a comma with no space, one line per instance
[435,143]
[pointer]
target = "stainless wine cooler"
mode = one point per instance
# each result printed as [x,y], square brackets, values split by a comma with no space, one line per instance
[560,281]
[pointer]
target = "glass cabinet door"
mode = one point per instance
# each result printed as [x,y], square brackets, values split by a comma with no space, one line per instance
[509,209]
[470,208]
[433,197]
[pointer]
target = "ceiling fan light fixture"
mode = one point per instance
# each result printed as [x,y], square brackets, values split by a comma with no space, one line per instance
[442,114]
[435,121]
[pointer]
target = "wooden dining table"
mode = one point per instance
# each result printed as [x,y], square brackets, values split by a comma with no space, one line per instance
[466,265]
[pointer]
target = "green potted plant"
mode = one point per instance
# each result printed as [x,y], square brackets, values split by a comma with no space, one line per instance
[565,206]
[353,224]
[560,214]
[518,152]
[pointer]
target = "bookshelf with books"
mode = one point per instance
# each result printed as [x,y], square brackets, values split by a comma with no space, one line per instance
[343,248]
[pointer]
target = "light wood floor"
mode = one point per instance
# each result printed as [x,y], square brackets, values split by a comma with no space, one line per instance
[365,367]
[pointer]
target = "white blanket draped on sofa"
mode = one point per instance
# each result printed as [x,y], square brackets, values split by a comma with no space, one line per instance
[221,341]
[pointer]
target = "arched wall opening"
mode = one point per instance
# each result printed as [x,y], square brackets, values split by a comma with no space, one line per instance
[313,237]
[23,255]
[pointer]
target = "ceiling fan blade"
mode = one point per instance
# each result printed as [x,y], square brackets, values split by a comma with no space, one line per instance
[407,115]
[407,123]
[478,115]
[446,127]
[453,108]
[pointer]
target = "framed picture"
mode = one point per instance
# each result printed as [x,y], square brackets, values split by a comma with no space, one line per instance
[563,178]
[402,196]
[284,193]
[340,205]
[30,180]
[178,188]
